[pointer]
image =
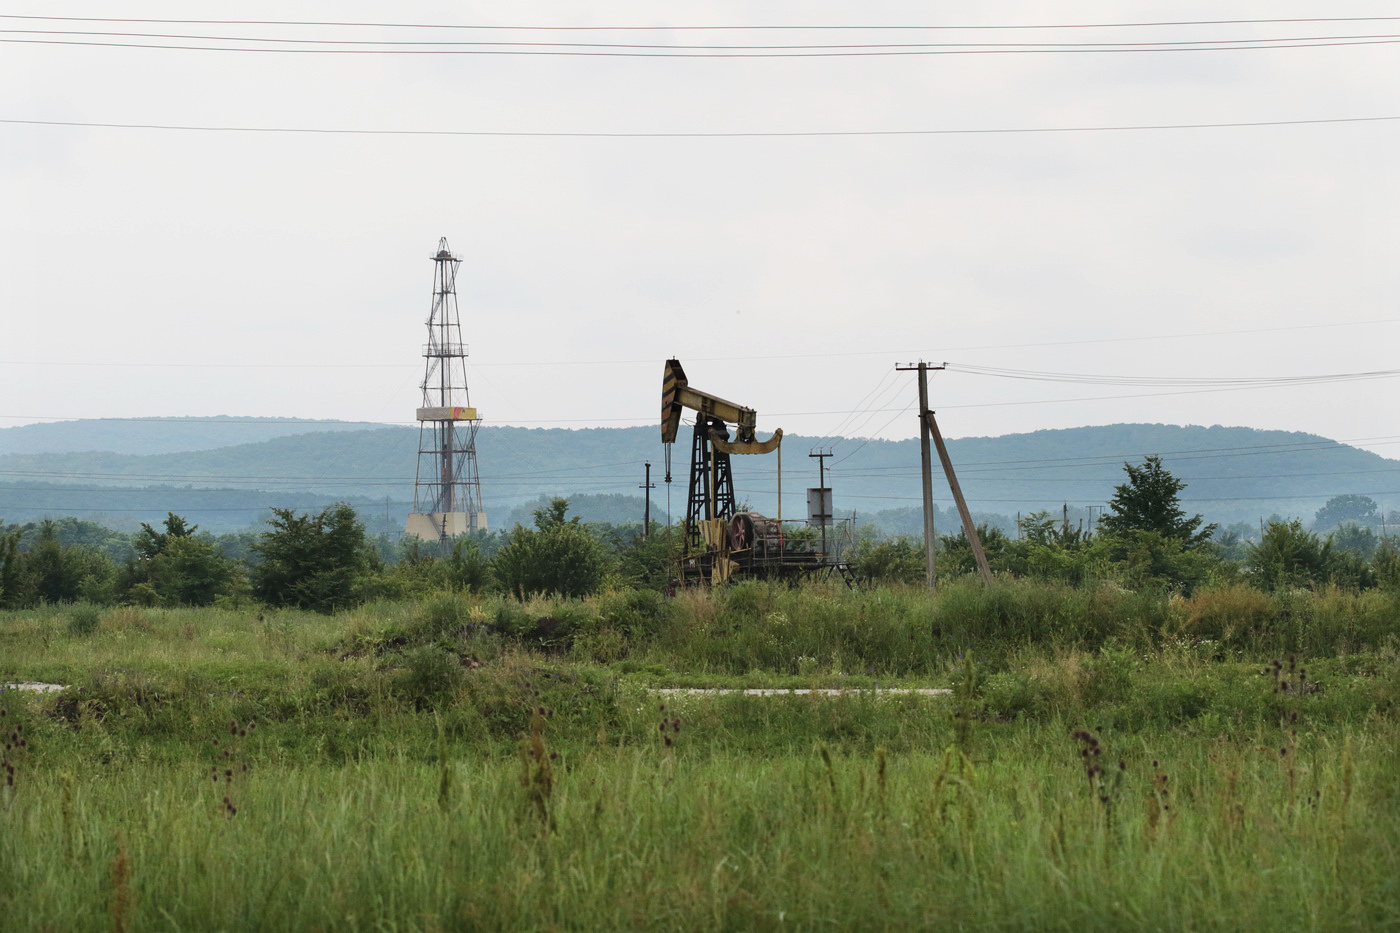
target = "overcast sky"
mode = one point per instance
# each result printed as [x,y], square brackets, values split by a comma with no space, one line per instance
[151,272]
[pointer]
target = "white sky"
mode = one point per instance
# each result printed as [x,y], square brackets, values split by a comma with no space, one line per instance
[289,274]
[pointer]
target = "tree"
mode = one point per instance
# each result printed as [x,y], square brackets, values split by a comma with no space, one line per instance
[13,583]
[173,567]
[467,568]
[558,556]
[311,561]
[190,571]
[1149,501]
[1351,538]
[1288,555]
[53,570]
[149,543]
[1349,508]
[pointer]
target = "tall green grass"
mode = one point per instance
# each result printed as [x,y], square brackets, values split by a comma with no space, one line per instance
[464,763]
[657,837]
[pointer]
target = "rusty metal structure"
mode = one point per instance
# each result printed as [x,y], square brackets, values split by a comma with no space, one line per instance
[447,488]
[720,543]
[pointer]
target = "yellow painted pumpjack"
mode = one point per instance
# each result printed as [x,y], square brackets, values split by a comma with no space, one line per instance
[719,542]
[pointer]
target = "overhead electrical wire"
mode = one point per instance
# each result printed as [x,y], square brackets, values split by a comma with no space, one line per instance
[279,44]
[1209,381]
[774,134]
[712,27]
[905,352]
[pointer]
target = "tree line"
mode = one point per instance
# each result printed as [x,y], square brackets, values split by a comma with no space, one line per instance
[321,561]
[324,561]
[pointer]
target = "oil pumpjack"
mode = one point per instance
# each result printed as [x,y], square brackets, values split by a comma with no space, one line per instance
[719,542]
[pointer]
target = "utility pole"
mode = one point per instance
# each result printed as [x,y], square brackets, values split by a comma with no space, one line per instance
[928,430]
[926,462]
[646,487]
[821,456]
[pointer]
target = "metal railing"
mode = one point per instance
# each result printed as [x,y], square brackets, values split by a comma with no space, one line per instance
[444,349]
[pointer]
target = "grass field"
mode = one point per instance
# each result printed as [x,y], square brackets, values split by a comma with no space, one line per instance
[1105,761]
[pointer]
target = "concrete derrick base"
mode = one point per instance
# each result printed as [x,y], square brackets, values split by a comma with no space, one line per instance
[434,526]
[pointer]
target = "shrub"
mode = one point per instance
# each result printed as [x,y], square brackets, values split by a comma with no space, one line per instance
[558,557]
[1289,556]
[83,618]
[896,561]
[312,562]
[431,676]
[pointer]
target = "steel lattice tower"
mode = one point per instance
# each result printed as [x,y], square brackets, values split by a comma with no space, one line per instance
[447,489]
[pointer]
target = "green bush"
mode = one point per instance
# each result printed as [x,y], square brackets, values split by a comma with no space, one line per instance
[83,618]
[558,557]
[431,676]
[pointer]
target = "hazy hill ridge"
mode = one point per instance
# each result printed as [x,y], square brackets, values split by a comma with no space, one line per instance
[156,435]
[1233,474]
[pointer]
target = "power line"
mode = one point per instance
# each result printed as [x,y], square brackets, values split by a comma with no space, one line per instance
[683,28]
[1211,381]
[575,361]
[694,135]
[151,46]
[671,50]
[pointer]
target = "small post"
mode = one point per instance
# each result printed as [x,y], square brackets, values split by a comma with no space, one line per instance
[821,456]
[646,487]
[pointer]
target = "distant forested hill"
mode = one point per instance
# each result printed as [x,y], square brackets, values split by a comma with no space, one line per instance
[156,435]
[1233,474]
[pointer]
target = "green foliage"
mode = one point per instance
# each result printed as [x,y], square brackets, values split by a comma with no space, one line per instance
[558,557]
[1360,510]
[1288,555]
[467,567]
[898,560]
[54,571]
[12,580]
[649,561]
[50,571]
[1149,501]
[955,554]
[1358,540]
[83,618]
[430,677]
[1240,803]
[315,562]
[1149,560]
[175,568]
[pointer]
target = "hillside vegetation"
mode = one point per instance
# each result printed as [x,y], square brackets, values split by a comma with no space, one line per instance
[1232,474]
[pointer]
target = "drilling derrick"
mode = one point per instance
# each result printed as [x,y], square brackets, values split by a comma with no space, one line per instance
[447,490]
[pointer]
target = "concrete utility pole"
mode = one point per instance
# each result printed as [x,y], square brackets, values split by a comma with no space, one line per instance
[646,487]
[926,463]
[928,429]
